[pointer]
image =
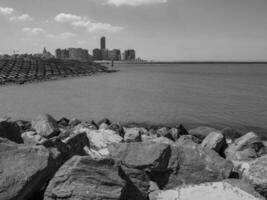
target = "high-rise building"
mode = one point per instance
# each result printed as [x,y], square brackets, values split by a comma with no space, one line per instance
[103,43]
[129,55]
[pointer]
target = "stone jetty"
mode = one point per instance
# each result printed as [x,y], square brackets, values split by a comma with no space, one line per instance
[72,159]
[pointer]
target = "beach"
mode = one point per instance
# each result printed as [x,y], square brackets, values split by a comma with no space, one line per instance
[220,95]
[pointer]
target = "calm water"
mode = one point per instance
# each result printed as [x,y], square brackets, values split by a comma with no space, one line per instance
[219,94]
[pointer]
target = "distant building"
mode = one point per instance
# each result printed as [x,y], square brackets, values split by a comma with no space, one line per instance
[114,54]
[104,54]
[73,53]
[62,53]
[97,54]
[103,43]
[129,55]
[46,54]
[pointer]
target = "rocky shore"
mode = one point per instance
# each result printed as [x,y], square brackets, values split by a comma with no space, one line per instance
[72,159]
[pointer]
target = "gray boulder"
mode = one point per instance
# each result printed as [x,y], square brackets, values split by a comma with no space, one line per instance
[247,147]
[202,131]
[215,141]
[32,138]
[132,135]
[197,165]
[10,130]
[82,178]
[24,170]
[46,126]
[149,156]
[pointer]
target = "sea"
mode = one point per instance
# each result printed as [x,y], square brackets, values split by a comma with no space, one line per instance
[215,94]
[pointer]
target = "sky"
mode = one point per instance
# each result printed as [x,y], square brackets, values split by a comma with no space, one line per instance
[167,30]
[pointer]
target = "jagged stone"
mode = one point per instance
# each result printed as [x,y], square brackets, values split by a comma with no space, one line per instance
[46,126]
[202,131]
[225,190]
[24,170]
[82,178]
[10,130]
[255,172]
[132,135]
[247,147]
[32,138]
[215,141]
[148,156]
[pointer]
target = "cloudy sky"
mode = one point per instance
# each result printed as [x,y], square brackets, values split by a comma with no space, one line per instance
[157,29]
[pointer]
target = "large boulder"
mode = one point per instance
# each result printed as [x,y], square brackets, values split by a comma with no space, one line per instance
[24,170]
[225,190]
[10,130]
[32,138]
[255,172]
[132,135]
[247,147]
[215,141]
[197,165]
[82,178]
[99,141]
[202,131]
[46,126]
[149,156]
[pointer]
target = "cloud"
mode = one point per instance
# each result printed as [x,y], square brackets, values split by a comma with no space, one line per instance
[66,17]
[134,2]
[23,17]
[6,11]
[33,31]
[85,22]
[64,35]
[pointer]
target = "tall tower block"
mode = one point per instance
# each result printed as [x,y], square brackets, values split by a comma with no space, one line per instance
[103,43]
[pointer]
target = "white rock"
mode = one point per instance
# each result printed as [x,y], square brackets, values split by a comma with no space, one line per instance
[206,191]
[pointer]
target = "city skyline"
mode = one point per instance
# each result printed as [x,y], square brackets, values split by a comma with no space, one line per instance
[156,29]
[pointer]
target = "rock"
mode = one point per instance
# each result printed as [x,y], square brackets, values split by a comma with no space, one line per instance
[11,131]
[132,135]
[255,172]
[148,156]
[214,190]
[198,165]
[74,122]
[202,131]
[152,132]
[32,138]
[215,141]
[63,122]
[137,183]
[46,126]
[76,143]
[99,141]
[103,126]
[230,135]
[24,170]
[182,130]
[174,132]
[247,147]
[118,129]
[23,125]
[164,132]
[187,140]
[82,178]
[104,121]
